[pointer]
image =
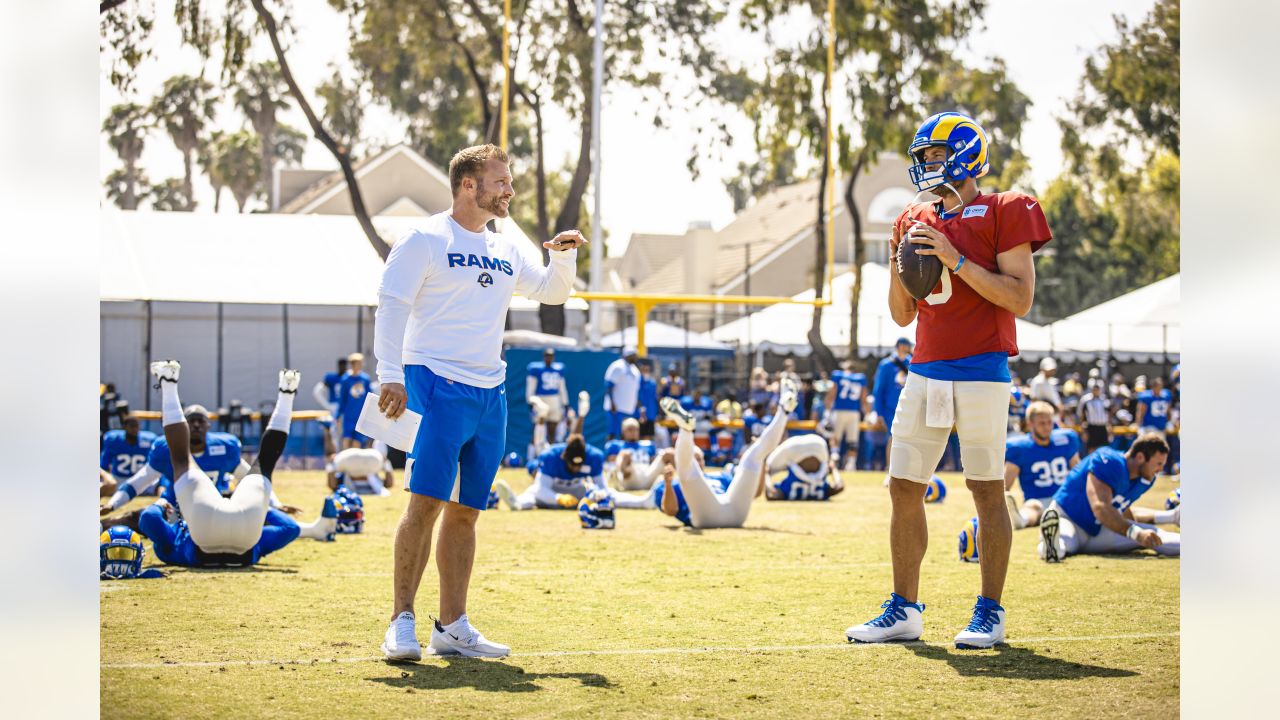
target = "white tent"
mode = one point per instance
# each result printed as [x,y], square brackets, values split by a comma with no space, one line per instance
[236,297]
[662,335]
[1144,324]
[785,328]
[535,339]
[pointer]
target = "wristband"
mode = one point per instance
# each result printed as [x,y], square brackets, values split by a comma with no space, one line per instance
[1132,532]
[959,265]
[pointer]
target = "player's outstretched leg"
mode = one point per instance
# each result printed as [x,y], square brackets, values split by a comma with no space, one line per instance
[705,510]
[747,480]
[176,431]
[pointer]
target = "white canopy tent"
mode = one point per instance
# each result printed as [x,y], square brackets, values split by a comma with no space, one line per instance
[664,336]
[236,297]
[1142,325]
[785,328]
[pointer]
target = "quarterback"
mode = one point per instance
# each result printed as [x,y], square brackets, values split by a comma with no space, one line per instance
[442,305]
[959,374]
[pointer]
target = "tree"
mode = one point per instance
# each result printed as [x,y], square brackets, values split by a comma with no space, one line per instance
[207,157]
[234,162]
[290,145]
[170,196]
[343,110]
[261,95]
[126,127]
[184,108]
[437,63]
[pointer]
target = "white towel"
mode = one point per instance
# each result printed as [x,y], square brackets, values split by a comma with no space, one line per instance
[940,406]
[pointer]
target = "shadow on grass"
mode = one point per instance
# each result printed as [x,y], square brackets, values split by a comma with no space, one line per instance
[486,675]
[238,569]
[1014,663]
[753,528]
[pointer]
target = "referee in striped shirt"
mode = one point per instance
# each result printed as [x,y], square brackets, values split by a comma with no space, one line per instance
[1095,414]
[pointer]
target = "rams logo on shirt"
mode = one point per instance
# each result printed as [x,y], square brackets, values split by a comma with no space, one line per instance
[482,262]
[485,279]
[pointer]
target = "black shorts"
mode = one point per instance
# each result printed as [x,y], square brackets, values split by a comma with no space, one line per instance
[1096,436]
[646,429]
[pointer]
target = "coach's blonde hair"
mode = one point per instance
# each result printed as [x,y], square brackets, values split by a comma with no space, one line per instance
[469,161]
[1039,407]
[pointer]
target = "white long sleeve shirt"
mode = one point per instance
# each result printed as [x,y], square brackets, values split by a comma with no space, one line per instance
[444,297]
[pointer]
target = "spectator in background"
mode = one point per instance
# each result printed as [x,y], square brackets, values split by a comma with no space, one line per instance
[1044,386]
[788,371]
[758,393]
[1017,404]
[1071,392]
[672,384]
[648,400]
[1119,393]
[805,407]
[351,391]
[326,391]
[621,390]
[1153,406]
[1095,417]
[107,399]
[728,408]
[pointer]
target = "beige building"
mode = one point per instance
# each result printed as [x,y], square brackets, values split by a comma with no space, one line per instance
[768,249]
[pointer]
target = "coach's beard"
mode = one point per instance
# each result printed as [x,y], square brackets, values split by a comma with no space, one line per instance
[492,202]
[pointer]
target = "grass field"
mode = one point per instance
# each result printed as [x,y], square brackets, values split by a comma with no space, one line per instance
[651,620]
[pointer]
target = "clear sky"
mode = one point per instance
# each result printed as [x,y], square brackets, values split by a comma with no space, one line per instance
[645,184]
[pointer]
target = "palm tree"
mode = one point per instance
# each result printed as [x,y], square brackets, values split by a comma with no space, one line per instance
[169,195]
[184,107]
[260,97]
[207,156]
[126,127]
[234,164]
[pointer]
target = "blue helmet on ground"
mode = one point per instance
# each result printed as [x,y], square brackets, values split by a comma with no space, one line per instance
[350,511]
[514,459]
[935,490]
[120,553]
[969,541]
[595,510]
[1174,499]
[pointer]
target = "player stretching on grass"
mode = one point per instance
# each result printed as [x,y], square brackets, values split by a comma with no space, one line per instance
[959,374]
[442,305]
[709,507]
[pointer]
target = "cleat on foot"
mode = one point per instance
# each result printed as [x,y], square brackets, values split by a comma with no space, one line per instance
[675,411]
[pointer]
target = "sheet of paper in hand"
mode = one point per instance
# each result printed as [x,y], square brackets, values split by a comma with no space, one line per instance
[399,433]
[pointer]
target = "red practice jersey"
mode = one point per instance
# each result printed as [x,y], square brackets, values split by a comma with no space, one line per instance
[954,321]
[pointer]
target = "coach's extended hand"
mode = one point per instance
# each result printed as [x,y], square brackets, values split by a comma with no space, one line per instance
[566,240]
[391,400]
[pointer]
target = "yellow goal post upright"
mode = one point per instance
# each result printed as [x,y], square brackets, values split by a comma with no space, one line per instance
[643,303]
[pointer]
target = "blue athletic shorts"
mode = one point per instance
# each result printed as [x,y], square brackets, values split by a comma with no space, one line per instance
[459,446]
[349,430]
[615,421]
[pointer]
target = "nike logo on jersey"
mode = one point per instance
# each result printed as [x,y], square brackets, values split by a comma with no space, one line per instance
[1031,205]
[482,262]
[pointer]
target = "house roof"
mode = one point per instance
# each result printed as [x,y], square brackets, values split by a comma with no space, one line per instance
[333,183]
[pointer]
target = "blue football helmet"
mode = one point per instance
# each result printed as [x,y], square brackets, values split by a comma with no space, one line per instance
[969,541]
[350,511]
[967,151]
[935,490]
[595,510]
[120,553]
[1174,499]
[513,459]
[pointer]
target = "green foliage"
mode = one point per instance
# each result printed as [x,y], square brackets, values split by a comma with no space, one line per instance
[232,162]
[122,187]
[169,195]
[289,145]
[126,126]
[343,110]
[184,108]
[123,38]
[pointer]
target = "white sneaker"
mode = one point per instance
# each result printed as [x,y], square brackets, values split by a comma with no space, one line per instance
[461,638]
[1049,549]
[788,398]
[683,418]
[900,621]
[584,403]
[506,495]
[1015,512]
[289,380]
[166,370]
[986,628]
[401,640]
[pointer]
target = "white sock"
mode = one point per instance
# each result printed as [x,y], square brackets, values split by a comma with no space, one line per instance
[321,529]
[1165,517]
[170,405]
[283,412]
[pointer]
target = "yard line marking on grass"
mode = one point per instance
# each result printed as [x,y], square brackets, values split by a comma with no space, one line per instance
[867,647]
[590,571]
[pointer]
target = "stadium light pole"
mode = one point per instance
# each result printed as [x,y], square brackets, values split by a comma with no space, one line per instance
[597,228]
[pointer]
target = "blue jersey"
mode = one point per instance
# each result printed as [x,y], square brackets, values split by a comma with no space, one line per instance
[351,392]
[219,460]
[331,382]
[1042,469]
[551,464]
[891,376]
[1108,465]
[1017,402]
[849,387]
[642,451]
[550,379]
[669,387]
[122,458]
[649,398]
[719,483]
[796,488]
[1157,407]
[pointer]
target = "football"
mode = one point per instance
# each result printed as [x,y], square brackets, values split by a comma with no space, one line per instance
[919,273]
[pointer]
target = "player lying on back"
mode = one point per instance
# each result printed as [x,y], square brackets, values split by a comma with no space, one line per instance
[214,530]
[358,469]
[812,473]
[632,463]
[1093,514]
[1040,461]
[709,508]
[124,453]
